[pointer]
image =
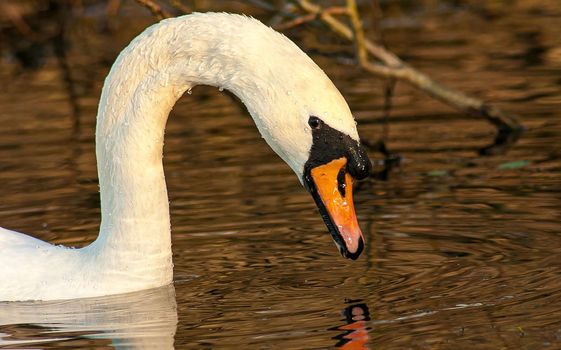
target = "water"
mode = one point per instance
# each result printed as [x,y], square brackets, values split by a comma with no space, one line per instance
[462,251]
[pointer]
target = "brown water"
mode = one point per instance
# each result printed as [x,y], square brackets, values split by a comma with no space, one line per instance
[463,252]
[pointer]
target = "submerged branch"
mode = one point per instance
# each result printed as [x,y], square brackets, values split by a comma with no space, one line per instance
[508,126]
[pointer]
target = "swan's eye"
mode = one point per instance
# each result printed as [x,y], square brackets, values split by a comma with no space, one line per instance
[315,122]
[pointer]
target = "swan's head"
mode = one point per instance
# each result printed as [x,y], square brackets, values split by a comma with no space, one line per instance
[327,160]
[335,159]
[305,120]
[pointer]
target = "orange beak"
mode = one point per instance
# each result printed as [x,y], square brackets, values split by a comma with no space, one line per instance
[333,192]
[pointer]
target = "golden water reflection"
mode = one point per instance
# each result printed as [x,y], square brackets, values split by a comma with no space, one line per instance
[462,251]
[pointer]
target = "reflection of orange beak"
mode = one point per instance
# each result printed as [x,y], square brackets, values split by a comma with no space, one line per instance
[334,198]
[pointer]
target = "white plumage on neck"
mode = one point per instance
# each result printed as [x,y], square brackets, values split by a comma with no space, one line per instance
[280,86]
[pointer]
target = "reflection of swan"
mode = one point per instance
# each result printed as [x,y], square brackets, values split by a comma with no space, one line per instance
[297,109]
[139,320]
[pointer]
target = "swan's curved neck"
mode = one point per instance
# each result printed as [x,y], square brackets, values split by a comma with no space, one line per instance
[140,91]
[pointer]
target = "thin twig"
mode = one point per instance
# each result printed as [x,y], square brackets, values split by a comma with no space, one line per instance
[154,8]
[295,22]
[181,6]
[309,18]
[360,46]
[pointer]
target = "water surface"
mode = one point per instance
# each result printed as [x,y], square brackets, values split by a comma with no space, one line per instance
[462,251]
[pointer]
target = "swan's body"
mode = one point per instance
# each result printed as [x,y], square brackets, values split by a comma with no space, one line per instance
[281,88]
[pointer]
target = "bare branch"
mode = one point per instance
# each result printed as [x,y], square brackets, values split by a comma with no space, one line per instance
[308,18]
[180,6]
[390,66]
[360,46]
[295,22]
[343,30]
[154,8]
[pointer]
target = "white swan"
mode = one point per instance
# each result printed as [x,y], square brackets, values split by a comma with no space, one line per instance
[295,106]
